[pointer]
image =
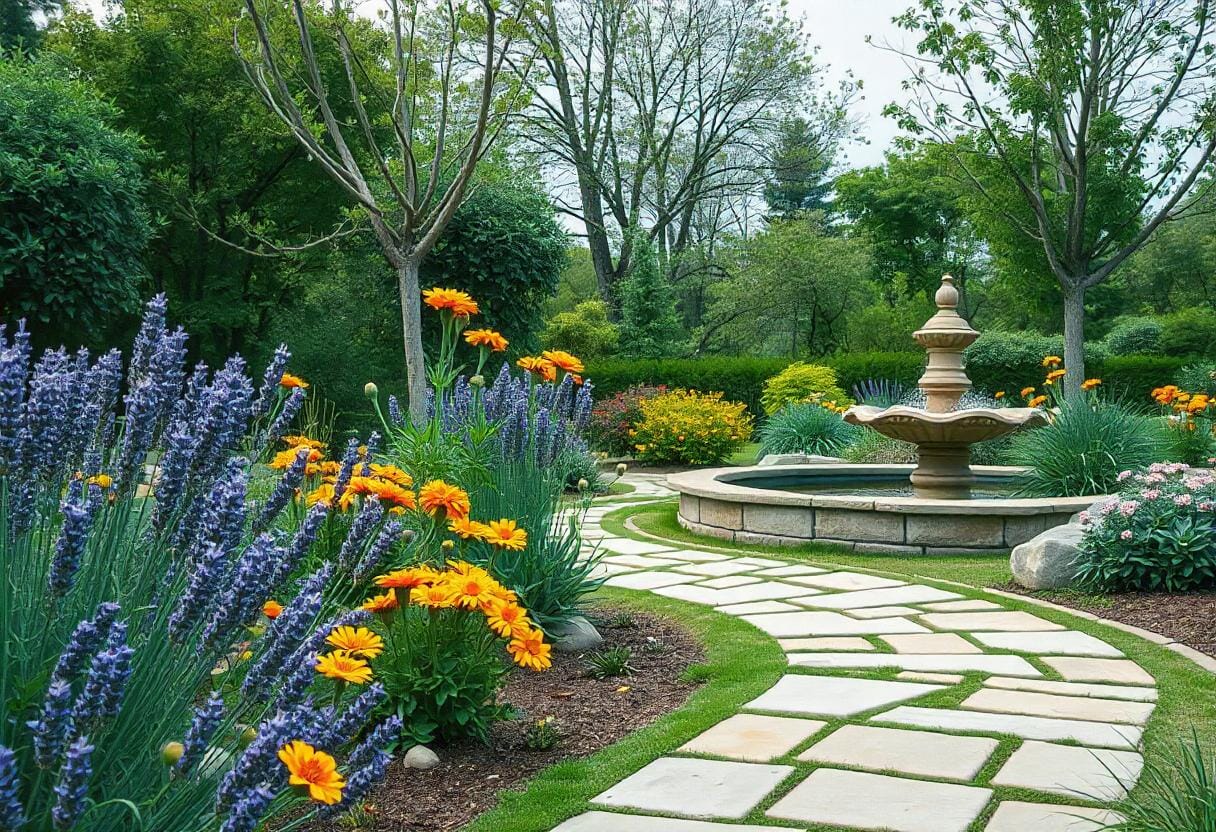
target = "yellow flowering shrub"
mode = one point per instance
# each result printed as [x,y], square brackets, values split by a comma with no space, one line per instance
[690,427]
[802,382]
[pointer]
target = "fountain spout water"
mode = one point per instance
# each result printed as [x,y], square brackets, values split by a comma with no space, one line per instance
[942,433]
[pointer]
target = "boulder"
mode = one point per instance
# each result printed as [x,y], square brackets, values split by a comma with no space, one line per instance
[577,635]
[798,459]
[1048,561]
[421,758]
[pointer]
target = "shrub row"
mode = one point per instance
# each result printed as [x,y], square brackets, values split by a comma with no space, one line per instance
[999,364]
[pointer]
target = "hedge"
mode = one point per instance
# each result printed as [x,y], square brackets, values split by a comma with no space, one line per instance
[742,378]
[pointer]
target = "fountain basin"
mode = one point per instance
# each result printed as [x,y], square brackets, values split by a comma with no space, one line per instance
[755,505]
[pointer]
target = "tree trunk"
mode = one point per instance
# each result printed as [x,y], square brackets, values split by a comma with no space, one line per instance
[1074,337]
[411,325]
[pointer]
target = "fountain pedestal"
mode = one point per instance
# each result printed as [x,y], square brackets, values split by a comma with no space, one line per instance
[943,433]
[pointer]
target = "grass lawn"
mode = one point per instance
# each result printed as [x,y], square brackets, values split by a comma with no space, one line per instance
[742,662]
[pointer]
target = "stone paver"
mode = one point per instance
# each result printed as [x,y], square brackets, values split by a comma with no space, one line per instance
[924,753]
[1097,775]
[613,822]
[1002,665]
[1010,621]
[937,643]
[1097,734]
[1059,707]
[787,624]
[875,801]
[754,737]
[1066,643]
[1129,692]
[911,594]
[1119,671]
[1014,816]
[828,643]
[834,620]
[834,695]
[695,788]
[848,581]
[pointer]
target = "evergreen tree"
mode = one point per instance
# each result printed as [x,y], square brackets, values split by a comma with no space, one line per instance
[799,178]
[17,24]
[650,327]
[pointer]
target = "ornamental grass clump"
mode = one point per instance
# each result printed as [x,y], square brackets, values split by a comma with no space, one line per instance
[691,428]
[1157,533]
[805,429]
[143,684]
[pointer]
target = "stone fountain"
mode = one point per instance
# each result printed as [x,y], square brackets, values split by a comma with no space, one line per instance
[942,432]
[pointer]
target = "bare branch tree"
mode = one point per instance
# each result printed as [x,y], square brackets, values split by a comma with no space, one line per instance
[443,109]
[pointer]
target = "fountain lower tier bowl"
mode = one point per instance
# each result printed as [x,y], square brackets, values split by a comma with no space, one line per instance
[944,440]
[866,508]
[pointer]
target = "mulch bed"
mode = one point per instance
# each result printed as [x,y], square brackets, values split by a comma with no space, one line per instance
[590,714]
[1188,618]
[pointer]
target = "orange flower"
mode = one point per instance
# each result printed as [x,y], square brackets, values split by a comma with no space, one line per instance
[1055,375]
[289,381]
[284,459]
[435,596]
[356,641]
[391,473]
[392,494]
[408,578]
[437,494]
[300,441]
[1027,392]
[563,361]
[508,619]
[272,608]
[323,493]
[529,650]
[382,604]
[1000,394]
[486,338]
[506,534]
[1052,361]
[470,591]
[542,368]
[1090,383]
[343,667]
[1037,401]
[468,529]
[459,303]
[313,771]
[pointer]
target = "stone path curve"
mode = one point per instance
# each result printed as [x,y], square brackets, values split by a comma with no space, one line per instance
[903,706]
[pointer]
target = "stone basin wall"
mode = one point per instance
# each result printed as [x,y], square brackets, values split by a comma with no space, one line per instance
[713,503]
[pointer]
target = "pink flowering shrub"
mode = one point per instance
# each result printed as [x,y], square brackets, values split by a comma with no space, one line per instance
[1157,533]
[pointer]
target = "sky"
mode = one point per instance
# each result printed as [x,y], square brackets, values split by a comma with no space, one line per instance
[839,28]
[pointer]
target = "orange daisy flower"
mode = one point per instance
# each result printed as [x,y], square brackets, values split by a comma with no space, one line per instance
[486,338]
[289,381]
[356,641]
[272,608]
[407,578]
[563,361]
[343,667]
[506,534]
[530,650]
[542,368]
[435,596]
[391,473]
[284,459]
[382,604]
[301,441]
[468,529]
[459,303]
[470,591]
[313,771]
[437,494]
[507,619]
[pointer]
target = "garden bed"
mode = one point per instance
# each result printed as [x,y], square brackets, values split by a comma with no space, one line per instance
[1185,617]
[589,714]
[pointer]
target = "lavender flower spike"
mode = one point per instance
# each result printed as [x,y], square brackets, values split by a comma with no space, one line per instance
[51,729]
[365,521]
[283,491]
[269,391]
[12,813]
[290,408]
[104,688]
[73,785]
[347,726]
[248,811]
[85,640]
[78,514]
[202,728]
[347,469]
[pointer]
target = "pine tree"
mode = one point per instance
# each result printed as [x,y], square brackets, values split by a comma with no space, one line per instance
[650,327]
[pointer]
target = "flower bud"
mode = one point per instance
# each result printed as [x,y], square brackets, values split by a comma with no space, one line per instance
[621,468]
[448,545]
[370,390]
[171,752]
[583,485]
[247,736]
[477,381]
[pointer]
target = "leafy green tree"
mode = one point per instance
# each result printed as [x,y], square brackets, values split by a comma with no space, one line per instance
[73,224]
[1088,124]
[230,186]
[790,292]
[585,331]
[1176,269]
[18,28]
[650,326]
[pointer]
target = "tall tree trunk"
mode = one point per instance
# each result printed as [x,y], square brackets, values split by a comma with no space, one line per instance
[1074,336]
[411,325]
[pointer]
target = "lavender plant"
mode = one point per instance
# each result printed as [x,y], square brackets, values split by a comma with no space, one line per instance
[134,575]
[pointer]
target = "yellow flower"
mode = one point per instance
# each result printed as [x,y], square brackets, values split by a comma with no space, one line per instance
[435,596]
[1090,383]
[301,441]
[437,494]
[357,641]
[382,604]
[408,578]
[563,361]
[1000,394]
[1054,375]
[470,590]
[289,381]
[468,529]
[542,368]
[314,771]
[508,619]
[343,667]
[272,608]
[1027,392]
[486,338]
[505,534]
[391,473]
[1037,401]
[323,493]
[529,650]
[284,459]
[1052,361]
[460,304]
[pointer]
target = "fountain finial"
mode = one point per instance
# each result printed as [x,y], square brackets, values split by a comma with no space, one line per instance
[947,294]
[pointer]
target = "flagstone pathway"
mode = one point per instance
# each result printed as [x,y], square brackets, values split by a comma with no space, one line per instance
[904,705]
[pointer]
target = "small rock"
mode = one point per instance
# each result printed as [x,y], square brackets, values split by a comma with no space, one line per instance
[421,757]
[1048,561]
[575,636]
